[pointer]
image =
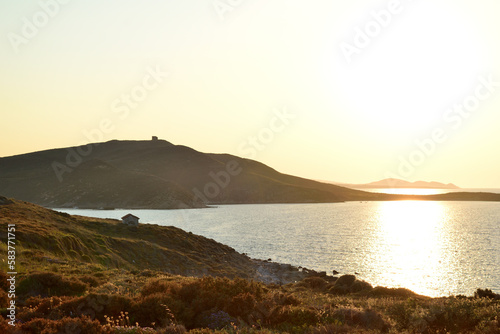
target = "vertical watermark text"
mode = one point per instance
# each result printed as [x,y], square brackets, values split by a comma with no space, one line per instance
[11,280]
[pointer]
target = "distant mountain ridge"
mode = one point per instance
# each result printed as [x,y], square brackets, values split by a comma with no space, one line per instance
[398,183]
[157,174]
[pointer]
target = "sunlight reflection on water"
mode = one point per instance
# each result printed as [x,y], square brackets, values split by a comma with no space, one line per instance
[410,235]
[432,248]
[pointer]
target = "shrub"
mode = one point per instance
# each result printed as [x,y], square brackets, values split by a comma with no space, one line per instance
[315,283]
[219,320]
[368,319]
[285,299]
[38,307]
[82,325]
[336,328]
[172,329]
[456,315]
[345,280]
[294,315]
[96,306]
[242,304]
[360,286]
[90,280]
[4,299]
[487,293]
[4,326]
[50,284]
[4,285]
[160,286]
[380,291]
[153,311]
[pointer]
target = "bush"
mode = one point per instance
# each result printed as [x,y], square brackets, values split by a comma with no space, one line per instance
[160,286]
[346,280]
[360,286]
[4,299]
[38,307]
[82,325]
[153,311]
[380,291]
[368,319]
[315,283]
[50,284]
[219,320]
[96,306]
[487,293]
[349,284]
[295,316]
[190,298]
[4,285]
[91,280]
[4,326]
[242,304]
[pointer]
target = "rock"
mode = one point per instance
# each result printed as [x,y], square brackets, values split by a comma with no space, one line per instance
[345,280]
[331,279]
[338,290]
[486,293]
[5,201]
[335,272]
[316,283]
[359,286]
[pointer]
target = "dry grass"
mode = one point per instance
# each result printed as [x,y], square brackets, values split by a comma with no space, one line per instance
[99,295]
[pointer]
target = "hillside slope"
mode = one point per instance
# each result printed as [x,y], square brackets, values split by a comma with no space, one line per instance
[159,175]
[46,235]
[152,174]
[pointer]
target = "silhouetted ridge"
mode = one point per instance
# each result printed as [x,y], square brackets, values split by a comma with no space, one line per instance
[159,174]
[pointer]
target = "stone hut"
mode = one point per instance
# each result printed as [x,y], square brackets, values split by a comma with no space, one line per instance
[131,220]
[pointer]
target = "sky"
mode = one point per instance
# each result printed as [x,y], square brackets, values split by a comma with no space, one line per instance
[347,91]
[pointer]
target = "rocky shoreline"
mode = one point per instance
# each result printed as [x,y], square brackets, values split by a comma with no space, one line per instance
[278,273]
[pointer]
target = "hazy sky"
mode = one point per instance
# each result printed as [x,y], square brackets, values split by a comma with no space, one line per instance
[350,91]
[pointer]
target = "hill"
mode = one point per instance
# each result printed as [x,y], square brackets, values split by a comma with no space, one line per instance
[47,236]
[159,175]
[152,174]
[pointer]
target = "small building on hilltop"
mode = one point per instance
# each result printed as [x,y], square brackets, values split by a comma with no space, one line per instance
[131,220]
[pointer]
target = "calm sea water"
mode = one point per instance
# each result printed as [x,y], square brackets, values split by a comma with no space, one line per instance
[432,248]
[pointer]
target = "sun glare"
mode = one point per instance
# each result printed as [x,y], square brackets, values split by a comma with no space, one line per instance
[411,233]
[417,66]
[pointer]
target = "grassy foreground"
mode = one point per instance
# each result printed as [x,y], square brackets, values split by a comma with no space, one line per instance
[83,275]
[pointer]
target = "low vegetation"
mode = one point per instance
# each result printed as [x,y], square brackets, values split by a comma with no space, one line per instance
[61,292]
[51,237]
[90,299]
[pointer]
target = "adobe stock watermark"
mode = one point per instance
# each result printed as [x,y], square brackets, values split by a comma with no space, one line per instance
[11,280]
[32,25]
[249,148]
[453,118]
[225,7]
[121,108]
[363,36]
[258,142]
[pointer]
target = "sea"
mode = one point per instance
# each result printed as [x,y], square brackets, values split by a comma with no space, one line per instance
[432,248]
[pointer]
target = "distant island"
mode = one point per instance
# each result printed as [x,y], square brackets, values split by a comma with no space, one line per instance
[391,183]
